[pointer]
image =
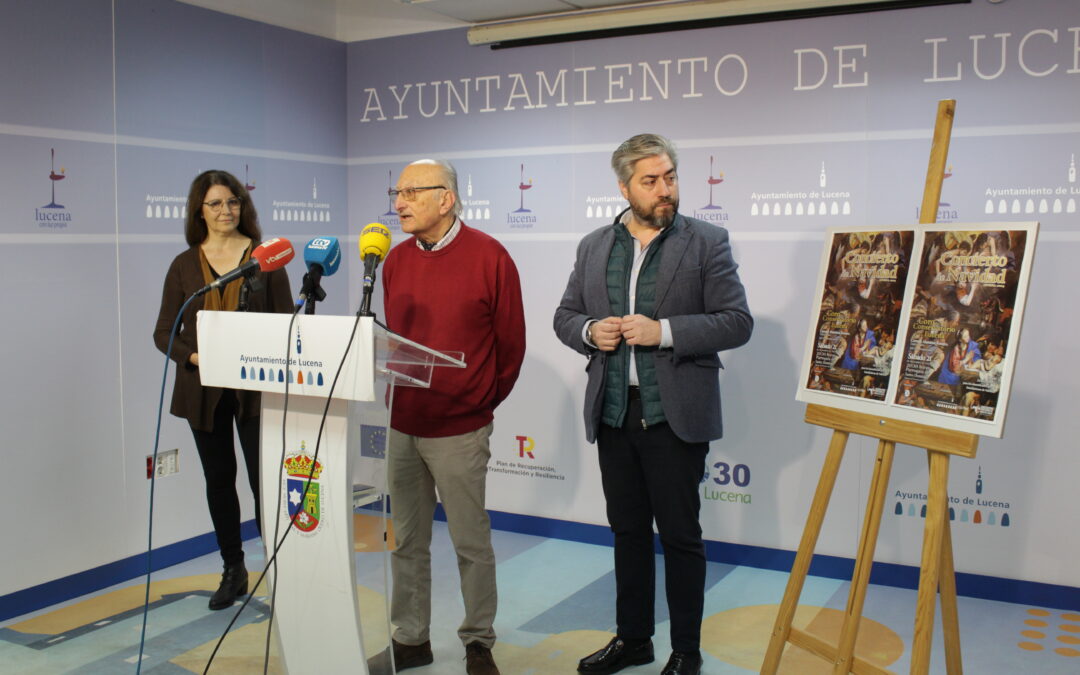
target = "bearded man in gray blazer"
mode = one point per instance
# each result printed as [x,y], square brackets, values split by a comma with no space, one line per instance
[651,300]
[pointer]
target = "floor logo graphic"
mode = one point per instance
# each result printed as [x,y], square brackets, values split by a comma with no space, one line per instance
[822,201]
[1041,623]
[712,212]
[977,509]
[519,218]
[1031,200]
[53,214]
[304,491]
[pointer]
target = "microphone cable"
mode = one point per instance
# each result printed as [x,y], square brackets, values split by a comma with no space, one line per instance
[278,488]
[153,482]
[153,473]
[272,559]
[280,542]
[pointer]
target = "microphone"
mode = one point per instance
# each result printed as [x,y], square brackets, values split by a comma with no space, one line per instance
[268,256]
[374,245]
[322,256]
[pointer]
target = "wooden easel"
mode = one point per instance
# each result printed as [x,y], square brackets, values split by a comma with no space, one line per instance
[936,569]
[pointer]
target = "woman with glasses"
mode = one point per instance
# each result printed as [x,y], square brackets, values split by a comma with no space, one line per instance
[221,228]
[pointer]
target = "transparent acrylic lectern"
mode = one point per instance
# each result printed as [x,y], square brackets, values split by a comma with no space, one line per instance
[323,478]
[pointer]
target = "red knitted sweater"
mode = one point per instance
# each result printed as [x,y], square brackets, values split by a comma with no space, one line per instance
[465,297]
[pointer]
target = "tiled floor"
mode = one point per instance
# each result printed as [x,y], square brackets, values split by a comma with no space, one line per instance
[555,606]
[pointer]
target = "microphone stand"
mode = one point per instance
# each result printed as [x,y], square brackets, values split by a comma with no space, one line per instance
[316,294]
[371,261]
[250,284]
[365,303]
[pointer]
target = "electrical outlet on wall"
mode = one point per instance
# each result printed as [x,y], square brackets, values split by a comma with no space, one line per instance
[168,462]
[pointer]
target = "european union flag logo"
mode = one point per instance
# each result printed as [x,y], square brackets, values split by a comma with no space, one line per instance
[372,441]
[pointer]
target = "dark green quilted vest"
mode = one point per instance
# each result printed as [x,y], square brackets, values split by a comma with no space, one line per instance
[617,369]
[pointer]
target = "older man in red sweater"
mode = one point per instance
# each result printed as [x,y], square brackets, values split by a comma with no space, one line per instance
[452,288]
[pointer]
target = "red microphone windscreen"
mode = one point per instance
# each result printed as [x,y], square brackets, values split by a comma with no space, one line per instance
[273,254]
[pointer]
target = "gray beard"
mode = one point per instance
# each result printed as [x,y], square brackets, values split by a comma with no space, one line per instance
[657,221]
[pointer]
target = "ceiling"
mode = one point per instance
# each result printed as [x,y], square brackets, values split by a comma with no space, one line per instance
[352,20]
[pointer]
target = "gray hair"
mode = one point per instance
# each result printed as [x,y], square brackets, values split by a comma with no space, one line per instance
[449,179]
[637,148]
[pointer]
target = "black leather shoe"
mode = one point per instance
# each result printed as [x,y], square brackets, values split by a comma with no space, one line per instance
[683,663]
[478,660]
[405,657]
[234,583]
[616,656]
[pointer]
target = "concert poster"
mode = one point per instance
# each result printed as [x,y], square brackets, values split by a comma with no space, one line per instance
[920,324]
[964,319]
[859,302]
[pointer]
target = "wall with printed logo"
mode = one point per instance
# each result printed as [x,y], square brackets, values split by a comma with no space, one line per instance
[109,110]
[785,129]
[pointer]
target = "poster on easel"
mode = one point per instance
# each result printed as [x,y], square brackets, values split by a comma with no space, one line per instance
[920,324]
[963,320]
[858,312]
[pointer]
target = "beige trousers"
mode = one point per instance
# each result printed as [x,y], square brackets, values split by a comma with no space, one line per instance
[454,467]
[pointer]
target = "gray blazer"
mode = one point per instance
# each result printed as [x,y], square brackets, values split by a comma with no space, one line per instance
[698,291]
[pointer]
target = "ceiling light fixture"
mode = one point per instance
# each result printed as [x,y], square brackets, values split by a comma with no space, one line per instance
[655,17]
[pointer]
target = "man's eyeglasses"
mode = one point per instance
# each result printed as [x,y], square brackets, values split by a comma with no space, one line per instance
[409,193]
[216,205]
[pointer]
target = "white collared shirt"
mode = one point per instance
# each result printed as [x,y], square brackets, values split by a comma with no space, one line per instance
[447,238]
[666,340]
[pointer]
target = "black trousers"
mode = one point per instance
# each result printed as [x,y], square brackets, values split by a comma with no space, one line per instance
[218,457]
[650,474]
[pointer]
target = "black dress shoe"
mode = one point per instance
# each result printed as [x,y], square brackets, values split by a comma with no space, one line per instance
[234,582]
[478,660]
[405,657]
[618,654]
[683,663]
